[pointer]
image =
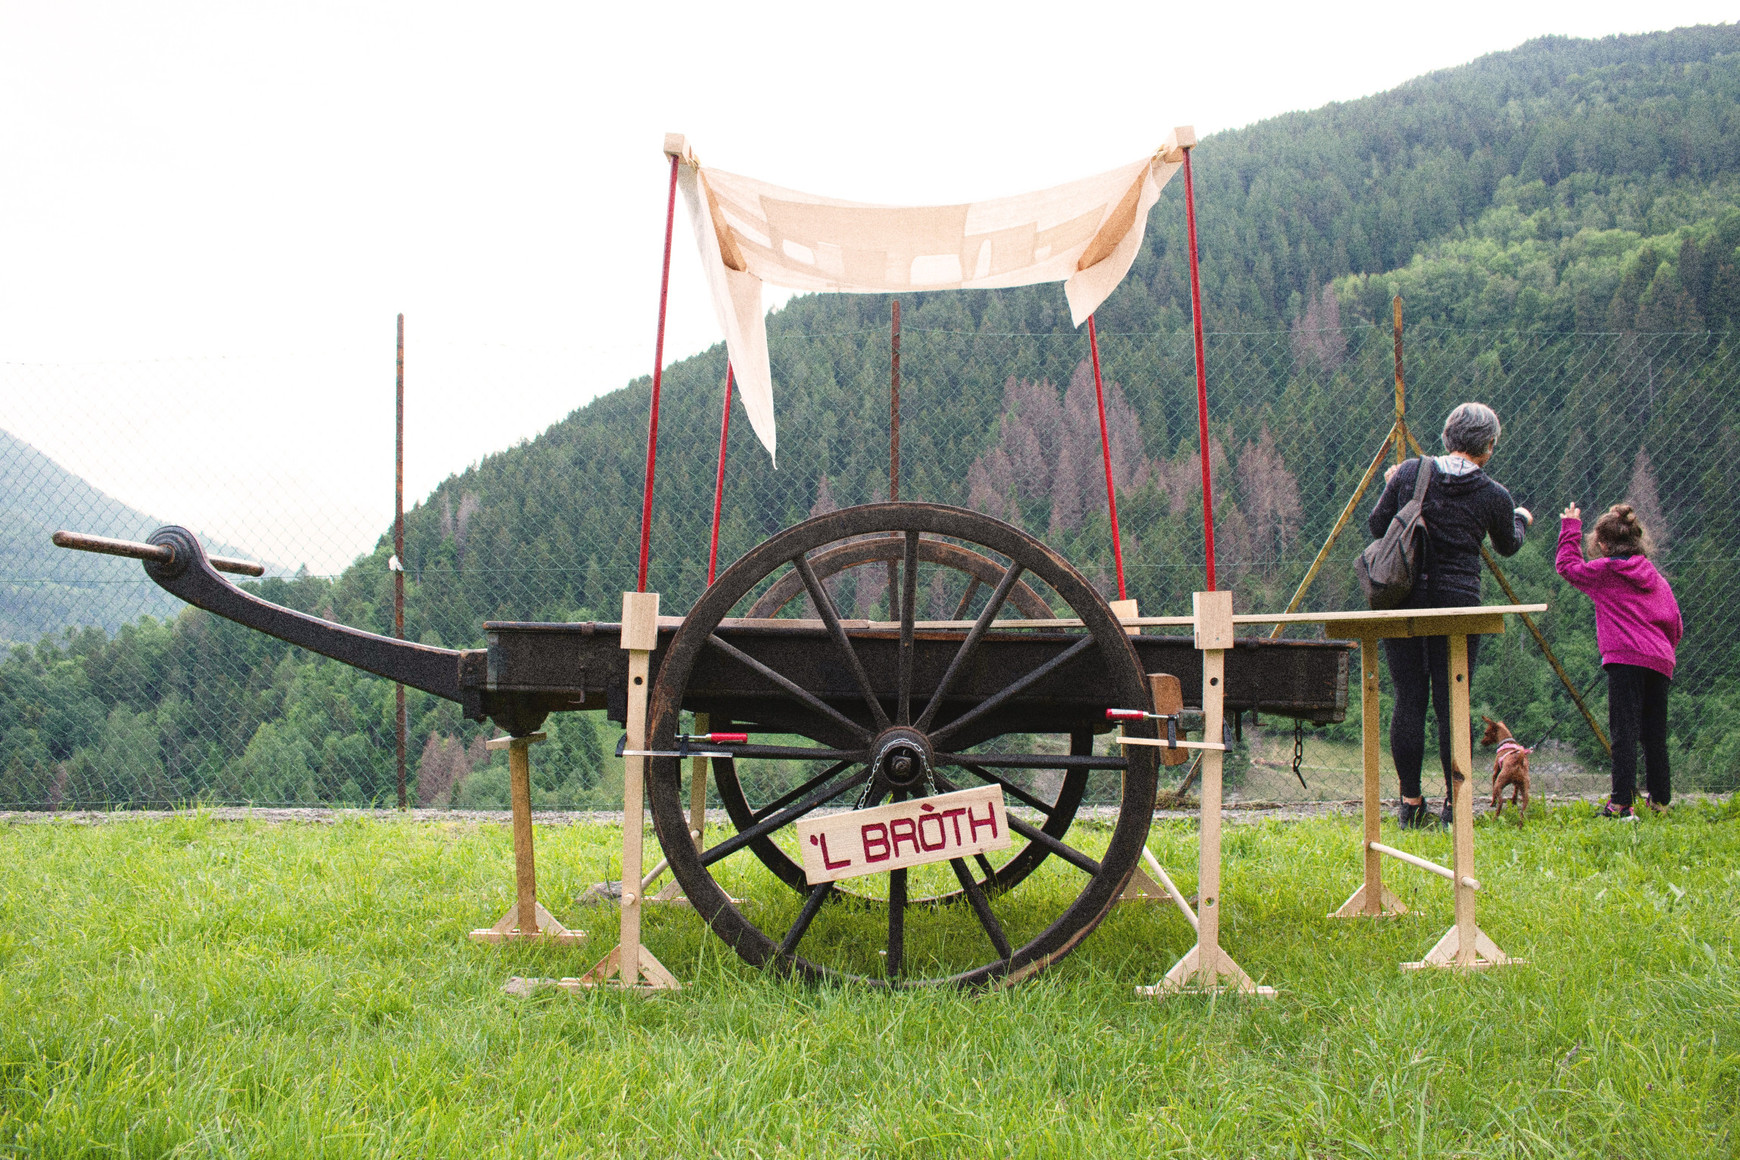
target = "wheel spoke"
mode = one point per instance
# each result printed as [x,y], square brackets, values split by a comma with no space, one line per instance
[1009,787]
[808,698]
[807,915]
[831,617]
[996,700]
[982,907]
[1027,760]
[961,608]
[896,922]
[785,799]
[908,612]
[1033,833]
[1068,853]
[959,662]
[790,813]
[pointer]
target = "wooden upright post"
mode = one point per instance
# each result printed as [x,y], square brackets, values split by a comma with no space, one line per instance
[526,918]
[1206,967]
[1371,900]
[631,964]
[1464,945]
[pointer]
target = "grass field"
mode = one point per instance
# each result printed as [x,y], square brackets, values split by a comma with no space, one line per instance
[193,987]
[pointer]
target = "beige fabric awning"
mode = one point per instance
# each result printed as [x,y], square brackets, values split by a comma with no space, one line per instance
[1084,234]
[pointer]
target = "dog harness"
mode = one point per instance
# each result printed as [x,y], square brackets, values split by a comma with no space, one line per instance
[1507,747]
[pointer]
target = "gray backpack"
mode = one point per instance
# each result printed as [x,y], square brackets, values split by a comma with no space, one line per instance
[1389,566]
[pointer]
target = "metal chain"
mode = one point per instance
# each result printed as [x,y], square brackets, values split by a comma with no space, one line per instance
[1299,750]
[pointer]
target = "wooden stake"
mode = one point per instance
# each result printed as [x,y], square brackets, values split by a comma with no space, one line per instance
[536,922]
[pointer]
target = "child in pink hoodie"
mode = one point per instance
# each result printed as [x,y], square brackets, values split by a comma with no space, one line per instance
[1637,627]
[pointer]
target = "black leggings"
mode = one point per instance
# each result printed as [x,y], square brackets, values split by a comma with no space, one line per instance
[1420,670]
[1637,709]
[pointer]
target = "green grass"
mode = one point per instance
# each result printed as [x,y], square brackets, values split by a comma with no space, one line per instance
[196,987]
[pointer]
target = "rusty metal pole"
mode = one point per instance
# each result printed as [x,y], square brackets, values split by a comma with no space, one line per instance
[1401,427]
[894,414]
[399,547]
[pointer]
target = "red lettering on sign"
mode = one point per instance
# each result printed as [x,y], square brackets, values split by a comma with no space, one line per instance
[903,830]
[990,819]
[828,862]
[874,838]
[942,833]
[956,815]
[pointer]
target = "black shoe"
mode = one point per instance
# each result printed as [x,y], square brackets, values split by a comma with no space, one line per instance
[1447,815]
[1413,816]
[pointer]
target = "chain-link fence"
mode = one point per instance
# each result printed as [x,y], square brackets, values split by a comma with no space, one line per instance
[114,695]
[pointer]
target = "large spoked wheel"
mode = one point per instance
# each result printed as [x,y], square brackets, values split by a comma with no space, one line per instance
[873,558]
[926,707]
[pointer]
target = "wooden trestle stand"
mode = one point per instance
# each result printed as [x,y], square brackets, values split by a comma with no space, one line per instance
[540,924]
[630,964]
[1464,945]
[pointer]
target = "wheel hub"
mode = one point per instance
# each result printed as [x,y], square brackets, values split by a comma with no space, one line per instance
[902,757]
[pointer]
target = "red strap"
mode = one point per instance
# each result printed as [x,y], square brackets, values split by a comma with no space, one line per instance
[1106,454]
[1201,377]
[652,431]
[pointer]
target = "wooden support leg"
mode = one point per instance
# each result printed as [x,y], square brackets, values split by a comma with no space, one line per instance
[1463,945]
[1371,900]
[537,923]
[1207,967]
[630,964]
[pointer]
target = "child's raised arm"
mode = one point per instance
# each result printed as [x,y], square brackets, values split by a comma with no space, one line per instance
[1570,562]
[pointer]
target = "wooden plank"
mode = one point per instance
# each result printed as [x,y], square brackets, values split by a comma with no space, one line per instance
[525,869]
[676,146]
[1208,858]
[1371,732]
[1172,149]
[1462,786]
[1358,622]
[1214,619]
[640,624]
[1168,702]
[1127,614]
[633,804]
[903,834]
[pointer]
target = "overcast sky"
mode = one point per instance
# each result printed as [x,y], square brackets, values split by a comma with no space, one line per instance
[211,213]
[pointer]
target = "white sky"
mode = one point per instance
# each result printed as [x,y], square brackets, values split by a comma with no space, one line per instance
[224,205]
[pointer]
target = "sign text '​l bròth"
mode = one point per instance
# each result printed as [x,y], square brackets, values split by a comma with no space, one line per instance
[910,833]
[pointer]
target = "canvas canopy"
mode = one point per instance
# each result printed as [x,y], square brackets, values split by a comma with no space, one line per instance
[1084,234]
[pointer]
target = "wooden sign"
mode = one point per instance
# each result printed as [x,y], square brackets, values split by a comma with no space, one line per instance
[910,833]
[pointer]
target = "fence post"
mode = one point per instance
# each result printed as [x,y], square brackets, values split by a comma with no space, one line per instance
[399,549]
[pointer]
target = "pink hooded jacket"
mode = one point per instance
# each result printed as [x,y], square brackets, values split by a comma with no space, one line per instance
[1637,619]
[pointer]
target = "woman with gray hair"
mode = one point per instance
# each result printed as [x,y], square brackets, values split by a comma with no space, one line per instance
[1463,505]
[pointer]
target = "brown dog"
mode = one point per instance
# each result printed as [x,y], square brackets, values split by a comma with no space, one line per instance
[1510,766]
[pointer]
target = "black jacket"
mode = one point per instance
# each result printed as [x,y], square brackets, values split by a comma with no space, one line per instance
[1460,511]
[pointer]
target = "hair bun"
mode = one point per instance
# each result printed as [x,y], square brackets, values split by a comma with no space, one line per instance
[1625,512]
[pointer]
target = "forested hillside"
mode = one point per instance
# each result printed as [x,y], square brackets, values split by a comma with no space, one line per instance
[1561,220]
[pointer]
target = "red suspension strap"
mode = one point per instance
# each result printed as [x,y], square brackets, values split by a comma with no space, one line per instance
[719,479]
[1201,376]
[652,433]
[1106,453]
